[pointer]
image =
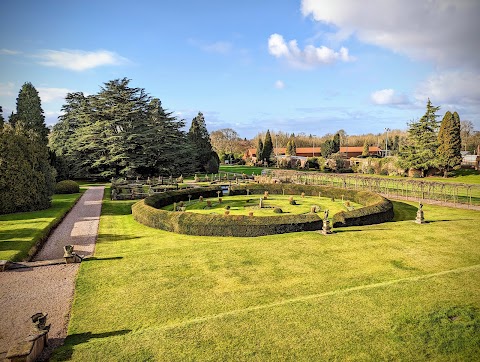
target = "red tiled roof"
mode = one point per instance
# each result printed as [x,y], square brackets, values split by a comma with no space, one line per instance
[251,152]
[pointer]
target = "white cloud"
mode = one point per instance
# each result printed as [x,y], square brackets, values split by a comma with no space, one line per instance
[443,31]
[80,60]
[7,89]
[279,84]
[52,94]
[221,47]
[8,52]
[309,57]
[453,87]
[388,97]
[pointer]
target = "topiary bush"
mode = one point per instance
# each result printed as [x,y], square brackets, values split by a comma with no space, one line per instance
[277,210]
[67,187]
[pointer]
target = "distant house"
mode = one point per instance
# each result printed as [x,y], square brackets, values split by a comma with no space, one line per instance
[345,151]
[349,152]
[471,161]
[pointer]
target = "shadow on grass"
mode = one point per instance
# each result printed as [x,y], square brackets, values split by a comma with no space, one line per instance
[451,220]
[403,211]
[115,208]
[65,352]
[347,230]
[94,258]
[103,237]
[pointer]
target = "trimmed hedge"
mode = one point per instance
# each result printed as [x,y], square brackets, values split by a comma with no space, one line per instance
[222,225]
[376,210]
[148,212]
[167,198]
[67,187]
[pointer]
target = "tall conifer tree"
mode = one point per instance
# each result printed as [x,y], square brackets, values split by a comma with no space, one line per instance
[267,147]
[420,151]
[30,112]
[204,156]
[259,150]
[450,143]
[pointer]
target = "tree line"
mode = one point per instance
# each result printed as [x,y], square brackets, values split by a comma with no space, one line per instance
[119,132]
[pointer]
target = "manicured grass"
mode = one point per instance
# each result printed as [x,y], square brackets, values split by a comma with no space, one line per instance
[471,177]
[19,232]
[242,205]
[394,291]
[247,170]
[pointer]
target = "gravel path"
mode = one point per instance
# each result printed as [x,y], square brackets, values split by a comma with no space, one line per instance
[49,289]
[24,292]
[79,228]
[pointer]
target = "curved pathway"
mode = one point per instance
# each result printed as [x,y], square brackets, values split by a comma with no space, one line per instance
[49,289]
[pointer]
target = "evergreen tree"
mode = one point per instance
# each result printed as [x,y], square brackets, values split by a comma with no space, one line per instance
[121,131]
[27,180]
[30,112]
[259,150]
[200,142]
[2,120]
[267,147]
[336,143]
[327,148]
[366,150]
[291,148]
[288,150]
[420,150]
[449,143]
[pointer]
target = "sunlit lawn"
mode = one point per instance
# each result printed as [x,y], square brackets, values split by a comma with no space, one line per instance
[20,231]
[394,291]
[242,205]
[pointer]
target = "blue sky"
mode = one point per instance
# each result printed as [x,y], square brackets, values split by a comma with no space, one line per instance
[312,66]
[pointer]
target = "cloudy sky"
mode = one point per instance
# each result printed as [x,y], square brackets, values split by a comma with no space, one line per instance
[312,66]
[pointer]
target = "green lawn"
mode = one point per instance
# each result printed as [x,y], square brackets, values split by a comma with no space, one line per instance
[242,205]
[247,170]
[20,231]
[394,291]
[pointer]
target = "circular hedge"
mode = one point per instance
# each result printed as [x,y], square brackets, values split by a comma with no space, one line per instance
[376,209]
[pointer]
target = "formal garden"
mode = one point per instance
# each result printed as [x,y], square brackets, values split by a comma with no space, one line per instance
[197,261]
[392,291]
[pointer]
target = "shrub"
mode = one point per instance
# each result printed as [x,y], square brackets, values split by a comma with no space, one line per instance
[377,209]
[167,198]
[227,212]
[67,187]
[219,225]
[227,207]
[27,181]
[277,210]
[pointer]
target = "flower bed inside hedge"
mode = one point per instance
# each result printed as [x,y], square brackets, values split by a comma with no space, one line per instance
[377,209]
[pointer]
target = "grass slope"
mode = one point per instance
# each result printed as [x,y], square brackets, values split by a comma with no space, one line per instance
[19,232]
[395,291]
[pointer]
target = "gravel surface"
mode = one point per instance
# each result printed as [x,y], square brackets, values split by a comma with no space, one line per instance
[79,228]
[49,289]
[24,292]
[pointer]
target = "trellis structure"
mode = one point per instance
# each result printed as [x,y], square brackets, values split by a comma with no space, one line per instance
[447,192]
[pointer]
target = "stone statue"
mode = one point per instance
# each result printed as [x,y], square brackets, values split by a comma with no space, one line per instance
[39,321]
[325,214]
